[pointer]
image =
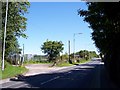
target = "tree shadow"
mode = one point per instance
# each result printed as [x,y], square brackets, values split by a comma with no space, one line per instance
[74,78]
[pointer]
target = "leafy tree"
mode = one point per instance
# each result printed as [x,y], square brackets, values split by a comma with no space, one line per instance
[93,54]
[84,54]
[52,49]
[16,24]
[104,19]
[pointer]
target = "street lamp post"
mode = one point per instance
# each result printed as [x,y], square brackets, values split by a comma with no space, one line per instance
[4,36]
[74,44]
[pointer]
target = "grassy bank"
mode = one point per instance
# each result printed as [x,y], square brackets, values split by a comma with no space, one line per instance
[67,64]
[64,64]
[11,71]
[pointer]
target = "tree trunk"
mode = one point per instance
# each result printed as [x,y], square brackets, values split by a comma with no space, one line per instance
[112,64]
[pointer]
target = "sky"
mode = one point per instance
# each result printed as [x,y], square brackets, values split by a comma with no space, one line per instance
[56,21]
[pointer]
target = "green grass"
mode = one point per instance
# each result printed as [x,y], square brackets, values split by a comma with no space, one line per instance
[67,64]
[36,62]
[11,71]
[64,64]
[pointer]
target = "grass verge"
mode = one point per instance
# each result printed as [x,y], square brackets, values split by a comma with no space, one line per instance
[36,62]
[11,71]
[64,64]
[68,64]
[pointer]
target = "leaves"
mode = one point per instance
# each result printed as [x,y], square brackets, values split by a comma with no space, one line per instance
[104,20]
[52,49]
[16,24]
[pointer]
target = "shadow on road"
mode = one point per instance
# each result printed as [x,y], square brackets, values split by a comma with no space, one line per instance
[82,76]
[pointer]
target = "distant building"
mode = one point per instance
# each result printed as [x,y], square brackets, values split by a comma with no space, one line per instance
[41,57]
[29,56]
[44,57]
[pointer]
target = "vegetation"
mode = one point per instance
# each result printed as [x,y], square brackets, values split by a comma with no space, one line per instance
[84,54]
[11,71]
[36,59]
[36,62]
[62,64]
[104,20]
[80,58]
[62,60]
[16,25]
[52,49]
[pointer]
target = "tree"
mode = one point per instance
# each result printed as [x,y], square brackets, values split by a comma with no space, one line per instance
[93,54]
[104,20]
[84,54]
[16,25]
[52,49]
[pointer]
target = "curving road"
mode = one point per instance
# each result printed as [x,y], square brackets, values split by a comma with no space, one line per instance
[89,75]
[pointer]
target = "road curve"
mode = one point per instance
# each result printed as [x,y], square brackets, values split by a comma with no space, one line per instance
[80,76]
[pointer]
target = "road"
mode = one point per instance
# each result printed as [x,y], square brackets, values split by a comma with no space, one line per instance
[80,76]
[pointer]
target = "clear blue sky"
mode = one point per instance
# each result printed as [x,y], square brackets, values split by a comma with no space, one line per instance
[56,21]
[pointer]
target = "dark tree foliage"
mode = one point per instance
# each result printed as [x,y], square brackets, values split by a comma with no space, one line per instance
[104,20]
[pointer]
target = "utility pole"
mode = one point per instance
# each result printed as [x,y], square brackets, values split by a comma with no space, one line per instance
[4,37]
[69,51]
[74,45]
[23,55]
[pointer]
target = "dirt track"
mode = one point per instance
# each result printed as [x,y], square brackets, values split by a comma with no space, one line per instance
[40,68]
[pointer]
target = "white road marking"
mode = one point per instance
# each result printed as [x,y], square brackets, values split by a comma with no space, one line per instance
[50,80]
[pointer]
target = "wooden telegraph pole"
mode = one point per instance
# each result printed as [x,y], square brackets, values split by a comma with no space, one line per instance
[69,51]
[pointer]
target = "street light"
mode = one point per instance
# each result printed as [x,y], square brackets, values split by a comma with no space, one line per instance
[4,36]
[74,44]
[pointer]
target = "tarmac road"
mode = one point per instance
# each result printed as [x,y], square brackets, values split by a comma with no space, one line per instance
[89,75]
